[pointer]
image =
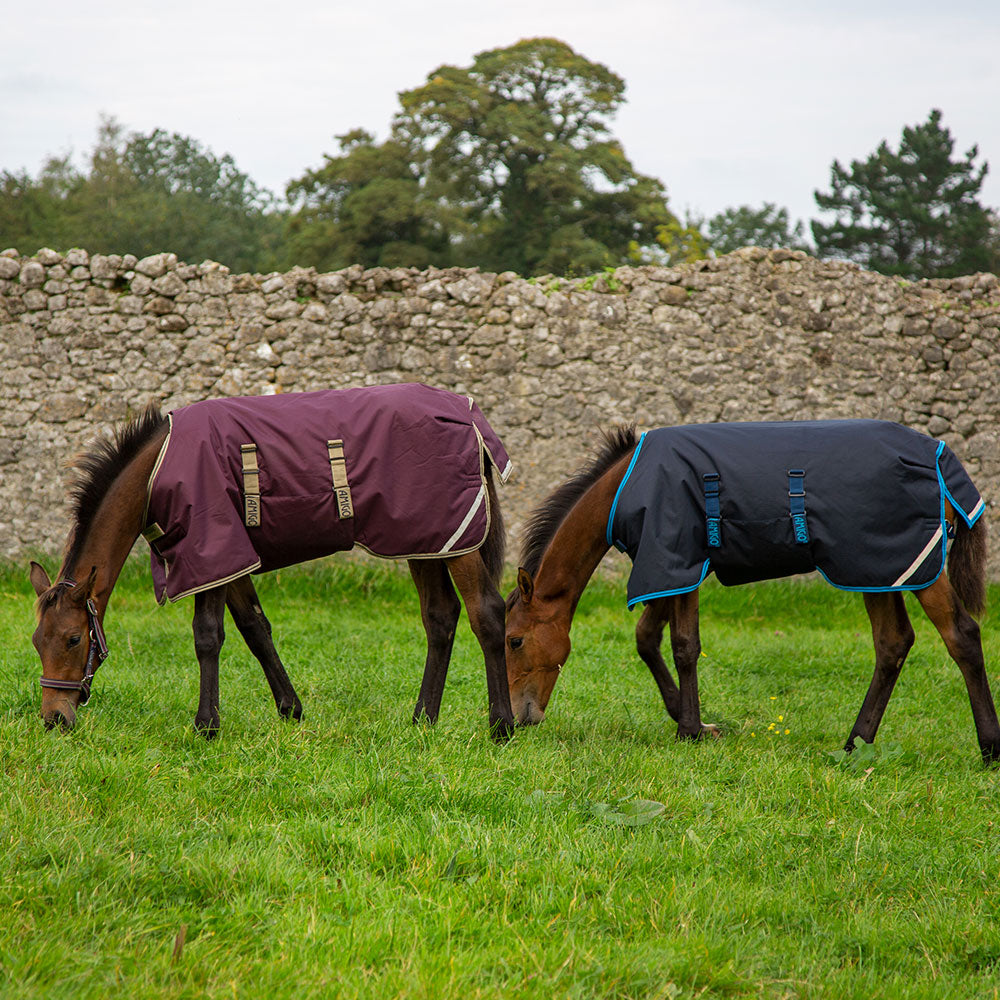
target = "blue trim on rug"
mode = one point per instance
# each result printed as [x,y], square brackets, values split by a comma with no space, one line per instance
[671,593]
[944,489]
[621,486]
[888,590]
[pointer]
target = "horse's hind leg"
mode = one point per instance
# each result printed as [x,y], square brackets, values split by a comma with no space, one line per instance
[241,599]
[685,644]
[439,611]
[485,609]
[961,635]
[893,636]
[209,634]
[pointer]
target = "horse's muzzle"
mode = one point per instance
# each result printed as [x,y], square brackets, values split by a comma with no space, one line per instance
[529,713]
[63,716]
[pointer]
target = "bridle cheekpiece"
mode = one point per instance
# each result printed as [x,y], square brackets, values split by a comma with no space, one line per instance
[97,653]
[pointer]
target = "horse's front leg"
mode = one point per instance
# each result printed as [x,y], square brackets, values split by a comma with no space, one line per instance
[893,636]
[209,634]
[685,643]
[648,640]
[244,606]
[485,608]
[439,611]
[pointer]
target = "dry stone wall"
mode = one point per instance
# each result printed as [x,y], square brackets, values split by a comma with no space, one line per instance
[86,339]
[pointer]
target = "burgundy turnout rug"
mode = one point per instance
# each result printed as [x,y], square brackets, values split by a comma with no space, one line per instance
[255,483]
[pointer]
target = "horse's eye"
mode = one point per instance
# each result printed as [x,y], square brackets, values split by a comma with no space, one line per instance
[516,641]
[74,640]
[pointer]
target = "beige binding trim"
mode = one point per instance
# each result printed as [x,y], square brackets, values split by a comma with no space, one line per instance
[167,599]
[919,561]
[156,468]
[251,485]
[460,530]
[338,472]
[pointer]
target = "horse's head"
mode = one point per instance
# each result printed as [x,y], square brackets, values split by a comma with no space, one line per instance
[537,646]
[66,643]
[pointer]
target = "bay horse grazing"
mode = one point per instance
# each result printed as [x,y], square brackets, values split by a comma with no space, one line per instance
[870,504]
[225,488]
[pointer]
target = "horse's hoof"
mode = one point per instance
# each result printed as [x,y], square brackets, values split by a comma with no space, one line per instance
[501,730]
[707,730]
[291,712]
[208,730]
[422,717]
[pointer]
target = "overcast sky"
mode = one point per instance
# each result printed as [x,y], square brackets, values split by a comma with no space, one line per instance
[729,102]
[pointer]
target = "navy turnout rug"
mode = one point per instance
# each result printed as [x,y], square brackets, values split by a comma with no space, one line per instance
[255,483]
[862,501]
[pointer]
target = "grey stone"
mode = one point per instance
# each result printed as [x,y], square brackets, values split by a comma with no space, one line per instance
[155,265]
[168,284]
[32,274]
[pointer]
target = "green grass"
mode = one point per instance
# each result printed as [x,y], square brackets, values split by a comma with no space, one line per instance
[357,855]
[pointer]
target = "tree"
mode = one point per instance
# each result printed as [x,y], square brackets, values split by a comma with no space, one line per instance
[33,206]
[364,206]
[912,212]
[508,164]
[745,226]
[142,194]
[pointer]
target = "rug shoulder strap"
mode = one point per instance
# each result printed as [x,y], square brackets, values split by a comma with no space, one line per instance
[797,505]
[338,472]
[251,485]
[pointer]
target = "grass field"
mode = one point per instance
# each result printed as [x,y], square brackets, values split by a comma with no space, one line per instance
[355,854]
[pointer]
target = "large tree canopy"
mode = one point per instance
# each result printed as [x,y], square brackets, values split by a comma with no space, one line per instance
[142,194]
[508,164]
[912,212]
[364,206]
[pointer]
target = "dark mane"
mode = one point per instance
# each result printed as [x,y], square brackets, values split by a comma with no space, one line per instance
[99,466]
[547,517]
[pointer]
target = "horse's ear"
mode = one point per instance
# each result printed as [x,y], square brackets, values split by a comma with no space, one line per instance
[39,578]
[525,584]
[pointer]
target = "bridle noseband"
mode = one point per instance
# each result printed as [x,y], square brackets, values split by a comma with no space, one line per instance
[97,653]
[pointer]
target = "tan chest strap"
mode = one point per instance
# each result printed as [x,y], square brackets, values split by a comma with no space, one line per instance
[338,471]
[251,485]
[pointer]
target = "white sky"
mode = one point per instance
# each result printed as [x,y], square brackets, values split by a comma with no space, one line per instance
[730,102]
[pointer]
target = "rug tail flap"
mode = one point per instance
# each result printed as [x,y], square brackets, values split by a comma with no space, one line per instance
[958,487]
[491,443]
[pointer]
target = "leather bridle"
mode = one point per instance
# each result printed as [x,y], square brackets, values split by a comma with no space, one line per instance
[97,653]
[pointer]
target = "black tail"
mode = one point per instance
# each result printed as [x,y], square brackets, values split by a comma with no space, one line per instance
[967,564]
[495,546]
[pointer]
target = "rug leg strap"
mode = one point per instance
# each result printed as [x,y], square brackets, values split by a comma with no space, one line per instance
[797,504]
[338,471]
[713,518]
[251,485]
